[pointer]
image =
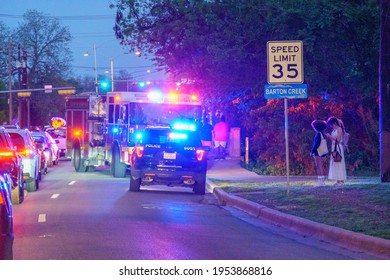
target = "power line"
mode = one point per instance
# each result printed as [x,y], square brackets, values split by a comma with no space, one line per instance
[86,17]
[116,67]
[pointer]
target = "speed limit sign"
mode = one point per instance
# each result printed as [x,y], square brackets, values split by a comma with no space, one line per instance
[285,62]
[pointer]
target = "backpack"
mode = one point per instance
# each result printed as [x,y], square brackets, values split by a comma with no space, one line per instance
[345,140]
[323,148]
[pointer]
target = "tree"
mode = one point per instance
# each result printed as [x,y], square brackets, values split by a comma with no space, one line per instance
[48,61]
[4,50]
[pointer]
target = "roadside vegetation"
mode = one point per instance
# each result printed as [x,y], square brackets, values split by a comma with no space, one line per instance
[362,205]
[219,49]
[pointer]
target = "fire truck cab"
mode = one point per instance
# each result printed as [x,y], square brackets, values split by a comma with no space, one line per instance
[101,127]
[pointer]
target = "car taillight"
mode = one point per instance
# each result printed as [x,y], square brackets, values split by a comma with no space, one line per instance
[6,154]
[200,154]
[2,200]
[139,150]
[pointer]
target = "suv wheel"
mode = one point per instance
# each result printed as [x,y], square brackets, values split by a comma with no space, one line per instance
[200,186]
[118,169]
[51,162]
[33,185]
[16,196]
[135,184]
[57,158]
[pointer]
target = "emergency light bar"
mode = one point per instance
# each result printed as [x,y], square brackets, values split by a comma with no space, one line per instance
[184,126]
[155,96]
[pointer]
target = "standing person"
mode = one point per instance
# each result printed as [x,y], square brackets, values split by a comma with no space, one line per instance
[319,149]
[220,137]
[206,133]
[337,170]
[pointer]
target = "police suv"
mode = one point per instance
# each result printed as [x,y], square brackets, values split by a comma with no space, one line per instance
[170,156]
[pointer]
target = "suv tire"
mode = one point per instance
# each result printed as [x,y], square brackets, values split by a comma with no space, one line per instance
[200,186]
[33,185]
[118,169]
[135,184]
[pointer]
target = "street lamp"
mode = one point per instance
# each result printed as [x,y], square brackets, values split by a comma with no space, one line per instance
[95,67]
[137,53]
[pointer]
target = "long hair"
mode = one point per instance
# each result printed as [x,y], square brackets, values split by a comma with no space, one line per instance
[336,121]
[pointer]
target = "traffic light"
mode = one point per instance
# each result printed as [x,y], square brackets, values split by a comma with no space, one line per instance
[105,85]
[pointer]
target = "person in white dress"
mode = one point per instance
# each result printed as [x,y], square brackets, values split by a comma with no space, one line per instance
[337,170]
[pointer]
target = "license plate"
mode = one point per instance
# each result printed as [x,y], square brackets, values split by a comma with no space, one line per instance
[169,155]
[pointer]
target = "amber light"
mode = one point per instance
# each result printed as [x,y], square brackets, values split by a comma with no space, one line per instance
[194,97]
[25,152]
[117,98]
[173,96]
[77,132]
[200,154]
[139,150]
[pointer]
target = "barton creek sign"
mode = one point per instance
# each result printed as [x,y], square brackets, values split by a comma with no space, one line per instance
[285,91]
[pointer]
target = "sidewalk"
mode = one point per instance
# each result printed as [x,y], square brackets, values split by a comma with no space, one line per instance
[231,170]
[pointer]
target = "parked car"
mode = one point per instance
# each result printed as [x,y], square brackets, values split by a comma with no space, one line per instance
[11,161]
[59,136]
[169,156]
[25,146]
[6,216]
[49,146]
[43,164]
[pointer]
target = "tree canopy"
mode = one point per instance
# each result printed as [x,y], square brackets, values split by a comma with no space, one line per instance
[46,45]
[221,45]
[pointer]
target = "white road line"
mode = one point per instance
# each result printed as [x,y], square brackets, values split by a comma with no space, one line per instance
[42,218]
[71,183]
[56,195]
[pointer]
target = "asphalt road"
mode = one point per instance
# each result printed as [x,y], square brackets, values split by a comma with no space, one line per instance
[93,216]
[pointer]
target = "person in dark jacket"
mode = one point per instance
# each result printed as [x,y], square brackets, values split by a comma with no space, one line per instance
[206,133]
[319,149]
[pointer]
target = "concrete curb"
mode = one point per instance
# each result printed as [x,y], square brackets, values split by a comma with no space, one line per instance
[341,237]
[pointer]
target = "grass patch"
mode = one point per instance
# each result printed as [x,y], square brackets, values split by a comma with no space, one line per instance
[362,205]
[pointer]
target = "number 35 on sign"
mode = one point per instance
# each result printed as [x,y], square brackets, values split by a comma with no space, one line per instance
[285,62]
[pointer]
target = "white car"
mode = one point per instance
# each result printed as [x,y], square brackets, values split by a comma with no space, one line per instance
[59,136]
[31,159]
[49,146]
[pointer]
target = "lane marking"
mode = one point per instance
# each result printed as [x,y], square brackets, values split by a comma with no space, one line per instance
[56,195]
[71,183]
[42,218]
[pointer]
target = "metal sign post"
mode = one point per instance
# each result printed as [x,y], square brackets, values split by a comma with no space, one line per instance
[287,147]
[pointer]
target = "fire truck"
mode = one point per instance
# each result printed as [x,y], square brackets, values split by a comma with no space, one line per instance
[101,128]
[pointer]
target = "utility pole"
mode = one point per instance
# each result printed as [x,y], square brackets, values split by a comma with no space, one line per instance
[24,102]
[95,69]
[10,83]
[384,91]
